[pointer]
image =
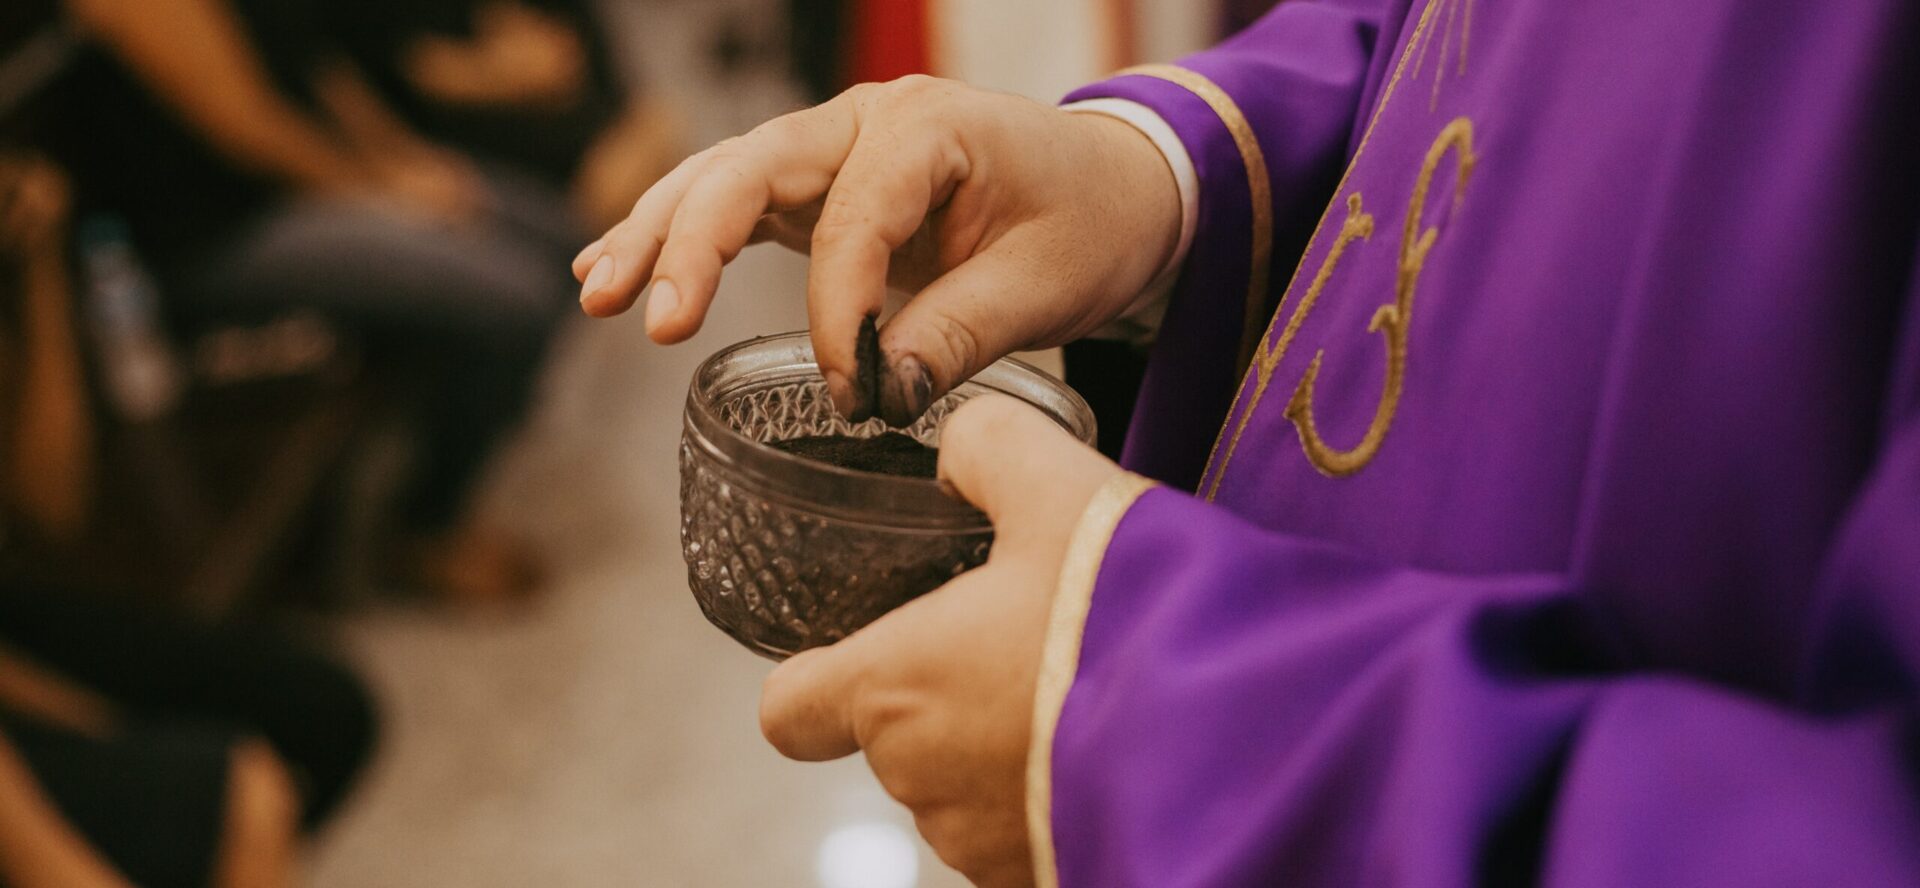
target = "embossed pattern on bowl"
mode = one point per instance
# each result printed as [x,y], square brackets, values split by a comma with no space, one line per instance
[785,554]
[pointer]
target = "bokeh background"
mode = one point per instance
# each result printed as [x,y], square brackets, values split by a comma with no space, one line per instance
[225,439]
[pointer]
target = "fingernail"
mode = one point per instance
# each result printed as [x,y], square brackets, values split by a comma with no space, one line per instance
[907,392]
[587,250]
[866,371]
[662,303]
[599,277]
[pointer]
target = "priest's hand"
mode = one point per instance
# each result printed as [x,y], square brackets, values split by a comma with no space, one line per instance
[1017,225]
[939,694]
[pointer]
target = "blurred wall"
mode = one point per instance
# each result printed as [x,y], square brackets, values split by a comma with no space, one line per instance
[1045,49]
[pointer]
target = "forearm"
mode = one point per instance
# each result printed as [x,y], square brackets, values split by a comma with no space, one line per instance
[38,847]
[31,689]
[195,57]
[53,441]
[366,121]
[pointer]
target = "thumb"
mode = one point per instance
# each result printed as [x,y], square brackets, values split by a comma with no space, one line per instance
[956,326]
[806,703]
[1013,463]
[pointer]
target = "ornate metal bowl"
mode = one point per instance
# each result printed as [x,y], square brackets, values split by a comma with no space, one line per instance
[784,553]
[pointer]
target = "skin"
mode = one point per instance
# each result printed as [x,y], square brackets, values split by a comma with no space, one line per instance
[195,56]
[50,436]
[518,55]
[1016,226]
[40,848]
[939,694]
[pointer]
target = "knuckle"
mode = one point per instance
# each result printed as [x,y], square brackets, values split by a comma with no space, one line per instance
[840,225]
[915,86]
[774,129]
[898,762]
[877,712]
[961,348]
[862,95]
[903,785]
[952,841]
[729,153]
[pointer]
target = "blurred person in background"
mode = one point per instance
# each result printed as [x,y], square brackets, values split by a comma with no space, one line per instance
[48,445]
[135,747]
[259,172]
[528,82]
[139,749]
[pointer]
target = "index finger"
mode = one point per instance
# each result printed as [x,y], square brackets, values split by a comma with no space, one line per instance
[703,213]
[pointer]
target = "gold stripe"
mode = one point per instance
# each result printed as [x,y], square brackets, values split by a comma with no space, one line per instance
[1216,462]
[1259,188]
[1060,656]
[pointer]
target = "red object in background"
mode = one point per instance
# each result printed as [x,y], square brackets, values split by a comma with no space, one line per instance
[891,38]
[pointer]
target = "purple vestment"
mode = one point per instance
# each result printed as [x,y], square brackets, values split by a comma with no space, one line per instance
[1566,529]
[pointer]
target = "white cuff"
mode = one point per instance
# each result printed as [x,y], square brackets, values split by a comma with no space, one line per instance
[1141,320]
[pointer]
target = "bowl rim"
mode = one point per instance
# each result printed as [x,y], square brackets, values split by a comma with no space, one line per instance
[922,504]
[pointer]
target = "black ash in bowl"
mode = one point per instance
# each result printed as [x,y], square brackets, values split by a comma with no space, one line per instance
[888,453]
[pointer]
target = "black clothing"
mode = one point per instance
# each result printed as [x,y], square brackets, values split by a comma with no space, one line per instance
[548,141]
[131,153]
[151,797]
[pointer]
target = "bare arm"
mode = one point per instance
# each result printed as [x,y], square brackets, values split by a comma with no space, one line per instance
[49,475]
[368,123]
[194,55]
[29,688]
[38,847]
[413,171]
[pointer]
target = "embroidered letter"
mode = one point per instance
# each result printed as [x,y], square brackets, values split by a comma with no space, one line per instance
[1267,356]
[1390,320]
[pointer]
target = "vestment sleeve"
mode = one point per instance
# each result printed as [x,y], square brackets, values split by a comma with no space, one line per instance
[1224,704]
[1267,119]
[1244,707]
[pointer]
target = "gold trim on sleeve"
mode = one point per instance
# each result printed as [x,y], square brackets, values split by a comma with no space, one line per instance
[1259,191]
[1060,655]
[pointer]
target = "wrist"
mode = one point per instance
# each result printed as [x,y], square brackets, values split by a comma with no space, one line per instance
[1145,194]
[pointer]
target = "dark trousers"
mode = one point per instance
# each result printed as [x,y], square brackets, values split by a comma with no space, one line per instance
[469,309]
[150,796]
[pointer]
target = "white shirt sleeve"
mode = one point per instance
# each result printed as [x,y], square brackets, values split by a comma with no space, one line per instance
[1141,321]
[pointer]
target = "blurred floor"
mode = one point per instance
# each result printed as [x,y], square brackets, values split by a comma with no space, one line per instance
[609,737]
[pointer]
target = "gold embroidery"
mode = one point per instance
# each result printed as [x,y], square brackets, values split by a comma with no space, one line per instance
[1357,226]
[1225,444]
[1217,461]
[1259,192]
[1390,320]
[1461,10]
[1466,31]
[1060,655]
[1420,61]
[1440,64]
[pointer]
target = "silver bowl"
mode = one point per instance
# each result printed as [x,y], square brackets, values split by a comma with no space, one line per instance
[785,553]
